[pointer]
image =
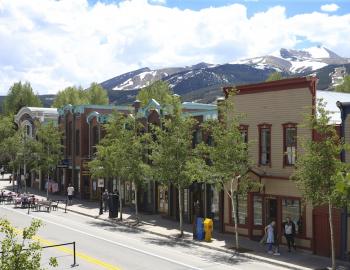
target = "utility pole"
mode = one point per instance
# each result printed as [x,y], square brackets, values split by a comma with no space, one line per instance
[48,174]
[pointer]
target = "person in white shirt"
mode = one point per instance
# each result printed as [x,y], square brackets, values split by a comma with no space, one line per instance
[70,193]
[289,233]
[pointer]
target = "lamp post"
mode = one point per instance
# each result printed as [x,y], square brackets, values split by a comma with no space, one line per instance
[100,184]
[48,175]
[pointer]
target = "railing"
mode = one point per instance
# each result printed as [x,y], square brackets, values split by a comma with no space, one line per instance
[59,245]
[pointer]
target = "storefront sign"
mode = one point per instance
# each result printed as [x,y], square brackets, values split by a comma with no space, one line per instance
[101,183]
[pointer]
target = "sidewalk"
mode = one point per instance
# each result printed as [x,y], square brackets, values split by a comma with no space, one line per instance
[158,225]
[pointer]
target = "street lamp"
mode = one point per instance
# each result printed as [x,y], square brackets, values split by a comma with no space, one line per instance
[100,184]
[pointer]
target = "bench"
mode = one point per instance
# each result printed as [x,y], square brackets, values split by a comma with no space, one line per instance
[54,205]
[44,204]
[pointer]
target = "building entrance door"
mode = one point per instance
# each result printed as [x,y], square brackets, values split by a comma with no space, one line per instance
[271,210]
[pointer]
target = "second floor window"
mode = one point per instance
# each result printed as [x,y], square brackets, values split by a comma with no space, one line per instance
[290,143]
[265,144]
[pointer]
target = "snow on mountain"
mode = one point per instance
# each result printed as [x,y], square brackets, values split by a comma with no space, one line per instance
[295,61]
[145,76]
[318,52]
[300,66]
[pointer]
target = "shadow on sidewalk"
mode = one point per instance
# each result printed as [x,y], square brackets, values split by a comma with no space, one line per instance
[112,228]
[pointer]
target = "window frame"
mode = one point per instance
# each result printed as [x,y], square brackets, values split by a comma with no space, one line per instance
[244,128]
[236,199]
[285,154]
[302,212]
[260,128]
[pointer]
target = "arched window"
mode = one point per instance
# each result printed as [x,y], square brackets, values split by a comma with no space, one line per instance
[28,128]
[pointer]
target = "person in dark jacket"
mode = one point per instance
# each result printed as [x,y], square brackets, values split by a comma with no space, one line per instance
[105,197]
[289,233]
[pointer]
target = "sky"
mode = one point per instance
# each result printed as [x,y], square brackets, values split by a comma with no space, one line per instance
[54,44]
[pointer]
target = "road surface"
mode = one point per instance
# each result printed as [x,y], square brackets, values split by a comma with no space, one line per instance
[102,245]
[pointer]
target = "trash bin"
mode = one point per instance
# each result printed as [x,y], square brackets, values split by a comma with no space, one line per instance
[113,205]
[208,229]
[199,226]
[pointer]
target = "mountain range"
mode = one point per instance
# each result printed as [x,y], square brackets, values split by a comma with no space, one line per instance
[203,82]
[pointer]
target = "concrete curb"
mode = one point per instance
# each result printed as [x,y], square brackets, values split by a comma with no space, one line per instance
[245,255]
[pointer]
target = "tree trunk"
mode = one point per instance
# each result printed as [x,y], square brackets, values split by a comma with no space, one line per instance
[232,196]
[25,178]
[332,234]
[13,179]
[136,206]
[235,219]
[180,212]
[120,199]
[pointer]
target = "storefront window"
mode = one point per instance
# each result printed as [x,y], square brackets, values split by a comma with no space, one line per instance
[241,208]
[185,202]
[257,204]
[291,208]
[214,203]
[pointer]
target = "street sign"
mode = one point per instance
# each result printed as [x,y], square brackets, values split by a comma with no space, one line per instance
[63,166]
[101,183]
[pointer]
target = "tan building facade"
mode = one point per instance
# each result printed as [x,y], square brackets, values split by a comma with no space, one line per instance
[272,117]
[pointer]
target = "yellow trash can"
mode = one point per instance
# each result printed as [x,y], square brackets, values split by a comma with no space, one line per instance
[208,229]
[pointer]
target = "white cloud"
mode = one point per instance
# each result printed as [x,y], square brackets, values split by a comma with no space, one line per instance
[329,7]
[54,44]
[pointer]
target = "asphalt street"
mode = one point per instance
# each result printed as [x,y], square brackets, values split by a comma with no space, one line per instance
[102,245]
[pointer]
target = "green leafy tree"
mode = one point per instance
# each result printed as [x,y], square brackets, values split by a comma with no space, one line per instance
[97,95]
[7,130]
[318,166]
[345,86]
[158,90]
[25,155]
[22,253]
[48,148]
[10,148]
[229,157]
[7,127]
[20,95]
[275,76]
[109,160]
[137,148]
[71,95]
[174,159]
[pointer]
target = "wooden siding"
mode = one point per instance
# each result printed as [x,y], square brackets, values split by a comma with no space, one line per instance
[275,108]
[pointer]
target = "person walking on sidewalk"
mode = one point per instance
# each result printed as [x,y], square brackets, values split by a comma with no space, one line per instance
[70,193]
[105,197]
[270,236]
[289,233]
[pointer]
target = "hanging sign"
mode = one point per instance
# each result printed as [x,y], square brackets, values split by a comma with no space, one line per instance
[101,183]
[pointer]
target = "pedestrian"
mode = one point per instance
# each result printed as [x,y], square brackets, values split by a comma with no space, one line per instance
[270,236]
[105,197]
[289,233]
[197,209]
[70,193]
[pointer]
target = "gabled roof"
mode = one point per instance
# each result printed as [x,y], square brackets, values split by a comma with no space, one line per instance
[41,113]
[82,108]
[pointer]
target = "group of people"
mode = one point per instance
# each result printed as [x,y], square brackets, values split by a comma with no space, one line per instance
[272,238]
[105,198]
